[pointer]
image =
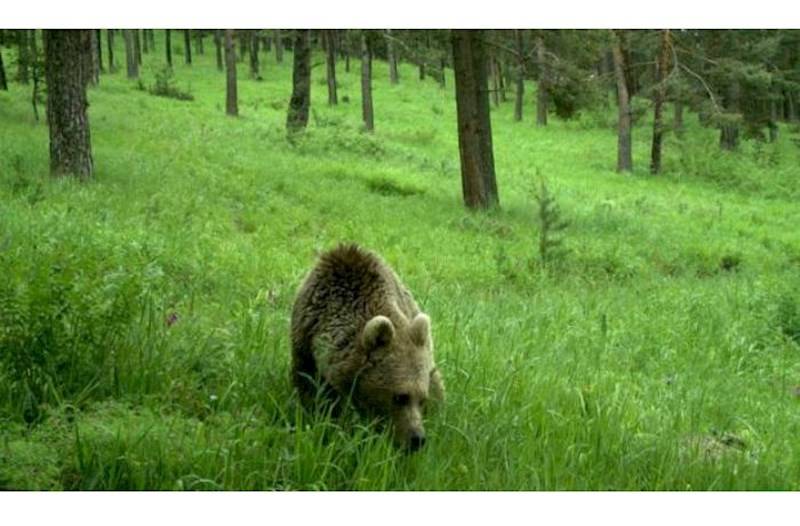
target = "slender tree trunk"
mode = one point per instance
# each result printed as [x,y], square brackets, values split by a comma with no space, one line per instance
[495,84]
[501,83]
[218,37]
[677,123]
[331,67]
[65,63]
[94,59]
[187,46]
[130,54]
[773,119]
[542,86]
[137,45]
[168,46]
[99,43]
[151,34]
[392,58]
[267,42]
[660,97]
[231,97]
[110,41]
[367,113]
[624,152]
[198,42]
[479,184]
[442,66]
[729,129]
[35,74]
[243,46]
[297,118]
[23,56]
[3,81]
[520,94]
[278,47]
[145,42]
[254,66]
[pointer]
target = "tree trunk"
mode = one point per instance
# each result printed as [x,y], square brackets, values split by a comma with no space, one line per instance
[23,57]
[130,54]
[392,58]
[218,38]
[278,47]
[297,119]
[254,66]
[65,63]
[501,82]
[3,82]
[442,66]
[168,46]
[520,94]
[94,59]
[267,44]
[110,41]
[145,42]
[331,67]
[187,46]
[367,113]
[231,97]
[198,42]
[624,152]
[137,47]
[495,83]
[773,119]
[99,44]
[677,123]
[660,97]
[151,34]
[35,74]
[542,86]
[479,184]
[243,45]
[729,128]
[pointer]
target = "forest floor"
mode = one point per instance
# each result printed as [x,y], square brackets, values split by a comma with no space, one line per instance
[144,314]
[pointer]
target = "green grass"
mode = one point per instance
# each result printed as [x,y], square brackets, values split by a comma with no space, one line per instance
[144,315]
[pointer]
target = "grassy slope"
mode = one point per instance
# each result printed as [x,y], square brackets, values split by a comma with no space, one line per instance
[636,363]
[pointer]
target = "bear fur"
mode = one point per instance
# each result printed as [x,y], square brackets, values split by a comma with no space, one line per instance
[358,333]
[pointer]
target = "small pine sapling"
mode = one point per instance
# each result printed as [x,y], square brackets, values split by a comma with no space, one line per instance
[550,225]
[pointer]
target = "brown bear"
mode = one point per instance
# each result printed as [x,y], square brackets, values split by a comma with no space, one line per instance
[358,333]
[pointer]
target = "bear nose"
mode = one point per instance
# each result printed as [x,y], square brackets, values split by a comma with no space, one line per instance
[416,441]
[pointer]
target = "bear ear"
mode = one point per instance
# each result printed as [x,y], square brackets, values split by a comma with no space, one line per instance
[420,329]
[436,389]
[378,332]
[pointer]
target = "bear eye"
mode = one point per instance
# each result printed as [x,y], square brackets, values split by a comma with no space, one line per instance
[401,399]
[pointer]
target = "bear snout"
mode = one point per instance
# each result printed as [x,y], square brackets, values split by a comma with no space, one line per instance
[416,441]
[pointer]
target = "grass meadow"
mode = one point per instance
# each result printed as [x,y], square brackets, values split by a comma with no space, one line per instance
[144,315]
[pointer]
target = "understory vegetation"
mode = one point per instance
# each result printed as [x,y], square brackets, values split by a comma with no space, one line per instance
[144,315]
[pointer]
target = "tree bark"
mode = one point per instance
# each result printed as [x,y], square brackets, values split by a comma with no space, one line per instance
[151,35]
[168,46]
[495,83]
[65,63]
[231,97]
[367,113]
[392,58]
[130,54]
[254,66]
[624,152]
[542,85]
[23,56]
[520,92]
[297,118]
[145,42]
[94,59]
[187,46]
[479,184]
[660,97]
[677,122]
[331,66]
[110,41]
[218,38]
[137,46]
[278,47]
[3,81]
[99,43]
[198,42]
[729,129]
